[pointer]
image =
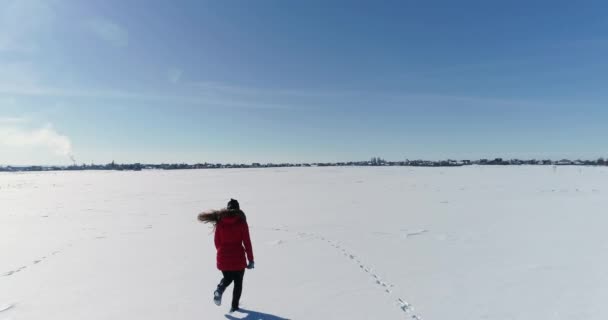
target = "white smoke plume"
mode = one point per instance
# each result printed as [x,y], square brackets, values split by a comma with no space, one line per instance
[46,137]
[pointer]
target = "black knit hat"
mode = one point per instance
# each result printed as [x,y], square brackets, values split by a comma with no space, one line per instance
[233,205]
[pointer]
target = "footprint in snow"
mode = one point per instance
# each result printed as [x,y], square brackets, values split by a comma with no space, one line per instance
[404,305]
[5,307]
[275,242]
[407,234]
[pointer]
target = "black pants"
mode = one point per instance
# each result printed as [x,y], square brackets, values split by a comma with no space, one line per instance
[237,277]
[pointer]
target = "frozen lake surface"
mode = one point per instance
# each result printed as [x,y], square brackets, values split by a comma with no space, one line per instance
[330,243]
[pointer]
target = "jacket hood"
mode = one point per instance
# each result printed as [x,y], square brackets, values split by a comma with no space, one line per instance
[231,216]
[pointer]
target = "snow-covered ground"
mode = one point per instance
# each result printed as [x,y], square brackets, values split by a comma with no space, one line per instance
[330,243]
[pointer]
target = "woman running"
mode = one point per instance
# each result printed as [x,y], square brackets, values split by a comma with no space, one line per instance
[233,247]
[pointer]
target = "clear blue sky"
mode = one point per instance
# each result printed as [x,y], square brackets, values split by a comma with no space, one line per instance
[271,81]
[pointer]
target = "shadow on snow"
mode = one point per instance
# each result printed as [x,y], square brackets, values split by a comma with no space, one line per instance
[254,315]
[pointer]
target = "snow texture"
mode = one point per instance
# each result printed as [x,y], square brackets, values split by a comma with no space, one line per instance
[331,243]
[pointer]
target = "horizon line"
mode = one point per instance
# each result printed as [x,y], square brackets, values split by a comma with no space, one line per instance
[298,163]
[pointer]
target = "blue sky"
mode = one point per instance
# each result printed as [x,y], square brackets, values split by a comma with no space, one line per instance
[273,81]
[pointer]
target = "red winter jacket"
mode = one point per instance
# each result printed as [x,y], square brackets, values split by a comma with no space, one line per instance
[232,243]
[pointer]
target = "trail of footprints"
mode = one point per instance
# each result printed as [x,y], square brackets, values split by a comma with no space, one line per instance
[5,307]
[37,261]
[403,305]
[42,259]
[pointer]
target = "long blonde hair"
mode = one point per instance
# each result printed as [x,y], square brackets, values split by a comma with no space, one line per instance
[214,216]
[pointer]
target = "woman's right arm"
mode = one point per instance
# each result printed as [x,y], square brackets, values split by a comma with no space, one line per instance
[247,243]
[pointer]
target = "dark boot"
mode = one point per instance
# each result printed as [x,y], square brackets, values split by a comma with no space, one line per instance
[217,297]
[217,294]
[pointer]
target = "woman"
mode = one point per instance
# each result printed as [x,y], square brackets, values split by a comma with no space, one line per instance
[233,249]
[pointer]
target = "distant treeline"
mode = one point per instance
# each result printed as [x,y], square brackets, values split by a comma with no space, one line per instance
[373,162]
